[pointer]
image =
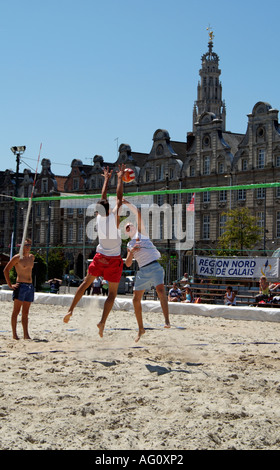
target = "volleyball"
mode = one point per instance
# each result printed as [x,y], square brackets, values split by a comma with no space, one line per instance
[128,175]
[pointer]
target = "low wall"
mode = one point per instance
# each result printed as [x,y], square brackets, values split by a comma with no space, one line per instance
[210,310]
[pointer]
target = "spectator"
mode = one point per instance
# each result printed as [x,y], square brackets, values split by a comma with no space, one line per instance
[230,298]
[187,294]
[264,291]
[54,285]
[104,287]
[96,286]
[175,294]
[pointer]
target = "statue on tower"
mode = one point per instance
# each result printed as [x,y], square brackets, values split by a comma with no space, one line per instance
[211,34]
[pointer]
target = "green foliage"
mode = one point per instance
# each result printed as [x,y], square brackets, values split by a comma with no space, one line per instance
[13,275]
[56,264]
[241,233]
[39,271]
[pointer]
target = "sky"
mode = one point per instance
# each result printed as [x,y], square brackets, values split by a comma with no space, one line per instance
[81,77]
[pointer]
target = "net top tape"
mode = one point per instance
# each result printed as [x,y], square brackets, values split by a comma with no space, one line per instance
[149,193]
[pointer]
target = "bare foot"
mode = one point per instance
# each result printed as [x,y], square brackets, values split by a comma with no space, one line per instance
[26,337]
[101,327]
[141,332]
[167,325]
[15,337]
[67,317]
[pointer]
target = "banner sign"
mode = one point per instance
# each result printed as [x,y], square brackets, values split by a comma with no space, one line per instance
[237,267]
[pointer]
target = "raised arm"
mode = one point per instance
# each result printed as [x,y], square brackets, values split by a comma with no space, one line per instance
[134,210]
[120,185]
[107,175]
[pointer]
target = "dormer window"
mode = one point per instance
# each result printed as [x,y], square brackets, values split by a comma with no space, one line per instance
[76,184]
[44,186]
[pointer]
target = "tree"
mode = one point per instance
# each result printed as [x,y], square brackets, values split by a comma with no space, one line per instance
[39,271]
[241,233]
[57,264]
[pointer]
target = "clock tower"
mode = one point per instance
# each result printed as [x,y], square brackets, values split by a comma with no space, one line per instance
[209,89]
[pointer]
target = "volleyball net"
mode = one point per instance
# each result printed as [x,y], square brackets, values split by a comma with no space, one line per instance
[169,215]
[182,223]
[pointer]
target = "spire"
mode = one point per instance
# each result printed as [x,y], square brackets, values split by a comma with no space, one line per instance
[209,89]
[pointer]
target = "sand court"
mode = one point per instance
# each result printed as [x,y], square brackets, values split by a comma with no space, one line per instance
[209,382]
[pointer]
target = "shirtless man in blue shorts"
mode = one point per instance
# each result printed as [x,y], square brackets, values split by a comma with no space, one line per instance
[23,290]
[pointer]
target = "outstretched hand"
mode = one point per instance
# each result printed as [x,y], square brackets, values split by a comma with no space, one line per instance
[107,173]
[121,170]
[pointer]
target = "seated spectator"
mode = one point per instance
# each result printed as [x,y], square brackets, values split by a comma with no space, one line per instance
[230,296]
[264,291]
[54,285]
[187,294]
[183,280]
[272,288]
[174,295]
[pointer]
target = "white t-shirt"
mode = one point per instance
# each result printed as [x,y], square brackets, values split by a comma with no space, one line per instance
[109,236]
[147,252]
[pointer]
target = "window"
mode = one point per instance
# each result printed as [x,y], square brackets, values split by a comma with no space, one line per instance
[80,232]
[261,193]
[159,199]
[44,187]
[221,168]
[206,227]
[241,195]
[75,184]
[206,166]
[70,233]
[222,196]
[147,176]
[174,199]
[222,226]
[244,164]
[206,196]
[277,161]
[261,159]
[159,172]
[192,170]
[278,224]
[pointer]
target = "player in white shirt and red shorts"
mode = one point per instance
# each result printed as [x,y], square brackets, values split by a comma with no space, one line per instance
[107,261]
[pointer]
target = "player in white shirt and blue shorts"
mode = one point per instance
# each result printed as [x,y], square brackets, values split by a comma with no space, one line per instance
[150,273]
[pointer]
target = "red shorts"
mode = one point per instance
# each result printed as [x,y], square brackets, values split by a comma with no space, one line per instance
[109,267]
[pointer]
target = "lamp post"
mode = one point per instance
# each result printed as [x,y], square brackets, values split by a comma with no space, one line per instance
[18,151]
[230,184]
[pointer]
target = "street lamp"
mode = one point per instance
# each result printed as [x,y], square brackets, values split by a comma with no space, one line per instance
[18,151]
[230,183]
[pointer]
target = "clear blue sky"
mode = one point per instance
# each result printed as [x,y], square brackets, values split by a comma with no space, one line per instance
[78,74]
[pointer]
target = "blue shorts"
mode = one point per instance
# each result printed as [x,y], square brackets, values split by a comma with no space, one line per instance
[151,275]
[24,292]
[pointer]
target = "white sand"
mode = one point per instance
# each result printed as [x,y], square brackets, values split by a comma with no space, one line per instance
[207,383]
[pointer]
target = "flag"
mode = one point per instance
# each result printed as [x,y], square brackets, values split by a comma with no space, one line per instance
[190,219]
[190,206]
